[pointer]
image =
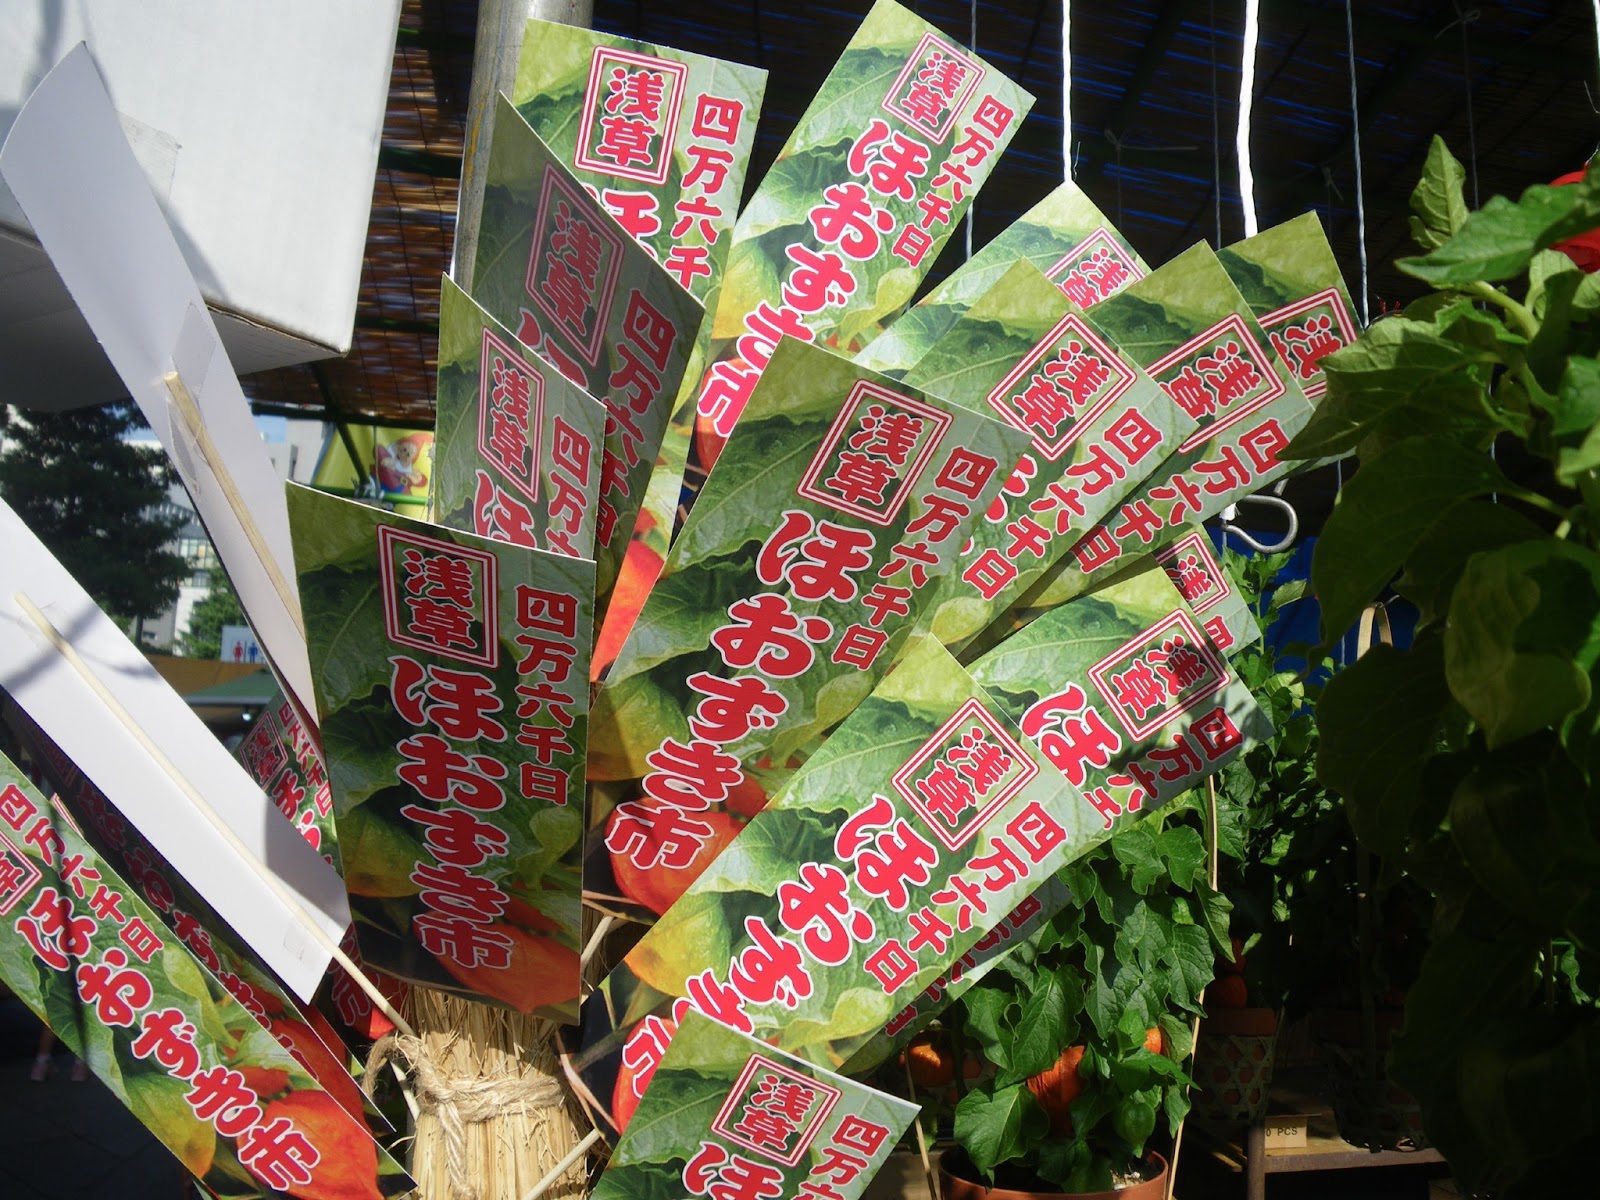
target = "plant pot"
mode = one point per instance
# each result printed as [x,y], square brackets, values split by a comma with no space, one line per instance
[1233,1064]
[1369,1109]
[957,1183]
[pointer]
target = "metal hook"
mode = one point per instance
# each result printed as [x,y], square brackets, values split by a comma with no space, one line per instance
[1464,17]
[1327,179]
[1271,500]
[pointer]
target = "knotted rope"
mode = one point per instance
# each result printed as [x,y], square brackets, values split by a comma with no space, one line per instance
[461,1100]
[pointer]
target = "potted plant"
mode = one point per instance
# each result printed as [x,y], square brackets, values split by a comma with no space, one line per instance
[1273,819]
[1088,1022]
[1316,932]
[1468,758]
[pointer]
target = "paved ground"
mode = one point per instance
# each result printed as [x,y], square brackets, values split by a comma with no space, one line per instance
[61,1140]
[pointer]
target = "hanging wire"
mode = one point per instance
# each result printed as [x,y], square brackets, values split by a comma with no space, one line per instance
[1463,19]
[1216,131]
[972,208]
[1066,85]
[1116,144]
[1355,129]
[1596,32]
[1247,83]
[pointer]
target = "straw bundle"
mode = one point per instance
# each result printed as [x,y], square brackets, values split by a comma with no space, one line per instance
[493,1116]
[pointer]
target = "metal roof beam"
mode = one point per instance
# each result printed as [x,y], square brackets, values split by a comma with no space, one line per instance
[1377,30]
[1155,48]
[419,162]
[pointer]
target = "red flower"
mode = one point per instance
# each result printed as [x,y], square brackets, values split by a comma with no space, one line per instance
[1585,248]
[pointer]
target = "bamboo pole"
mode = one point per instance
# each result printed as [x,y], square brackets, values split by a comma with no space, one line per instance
[1214,877]
[202,806]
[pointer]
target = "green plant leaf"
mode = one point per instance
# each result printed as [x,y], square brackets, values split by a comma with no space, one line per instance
[1578,398]
[1438,559]
[1524,631]
[1482,336]
[1135,1118]
[1042,1030]
[1586,300]
[1500,239]
[1553,279]
[1438,205]
[1381,516]
[1071,1164]
[1401,375]
[1379,719]
[986,1008]
[1464,984]
[1137,849]
[1185,853]
[1573,464]
[1193,965]
[1512,833]
[995,1127]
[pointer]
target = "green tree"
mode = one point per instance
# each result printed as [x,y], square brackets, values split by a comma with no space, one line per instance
[93,498]
[220,606]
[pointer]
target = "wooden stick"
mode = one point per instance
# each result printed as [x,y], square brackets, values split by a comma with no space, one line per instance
[405,1092]
[922,1140]
[1214,876]
[593,944]
[290,902]
[561,1167]
[195,424]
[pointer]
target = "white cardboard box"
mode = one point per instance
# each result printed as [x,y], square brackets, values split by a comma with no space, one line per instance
[258,127]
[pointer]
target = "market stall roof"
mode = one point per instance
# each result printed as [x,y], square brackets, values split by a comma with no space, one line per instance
[1510,86]
[255,690]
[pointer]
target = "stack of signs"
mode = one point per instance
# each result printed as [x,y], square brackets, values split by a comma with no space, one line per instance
[1291,281]
[299,1028]
[1098,426]
[518,457]
[1209,591]
[663,138]
[1188,327]
[553,266]
[452,686]
[930,817]
[748,1120]
[280,754]
[191,1062]
[787,594]
[921,822]
[1128,700]
[879,171]
[1065,236]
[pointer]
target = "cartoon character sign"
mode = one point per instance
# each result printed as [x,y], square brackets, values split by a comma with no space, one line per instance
[398,467]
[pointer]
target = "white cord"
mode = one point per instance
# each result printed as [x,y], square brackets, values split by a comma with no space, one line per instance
[1247,83]
[1066,85]
[1355,129]
[972,205]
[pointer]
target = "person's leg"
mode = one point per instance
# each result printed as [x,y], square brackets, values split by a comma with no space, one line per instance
[42,1063]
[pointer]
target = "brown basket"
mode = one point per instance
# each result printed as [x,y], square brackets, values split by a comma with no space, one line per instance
[1233,1065]
[1370,1110]
[1373,1113]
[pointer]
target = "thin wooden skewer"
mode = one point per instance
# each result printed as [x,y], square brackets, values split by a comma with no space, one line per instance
[562,1167]
[593,944]
[1214,875]
[195,424]
[114,706]
[922,1140]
